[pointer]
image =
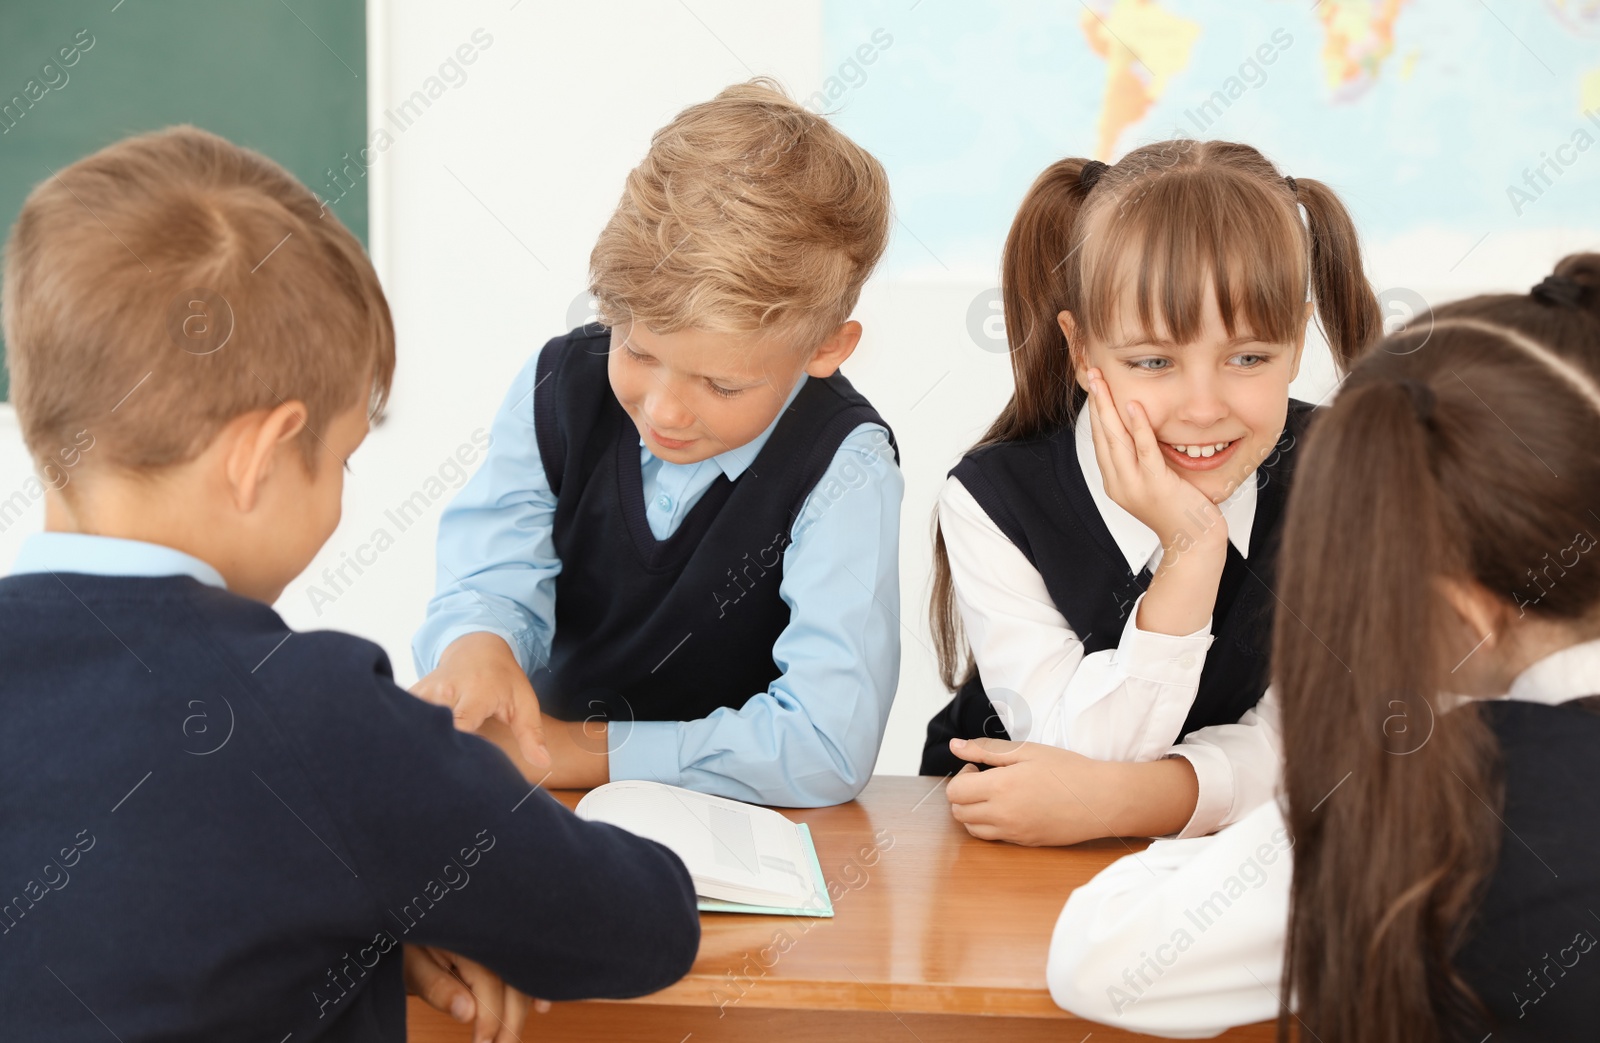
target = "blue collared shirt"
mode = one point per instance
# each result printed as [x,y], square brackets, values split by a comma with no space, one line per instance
[109,556]
[812,737]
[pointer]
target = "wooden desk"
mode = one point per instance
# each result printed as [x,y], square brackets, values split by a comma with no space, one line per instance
[936,937]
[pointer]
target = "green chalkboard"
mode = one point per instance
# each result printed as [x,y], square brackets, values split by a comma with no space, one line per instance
[286,77]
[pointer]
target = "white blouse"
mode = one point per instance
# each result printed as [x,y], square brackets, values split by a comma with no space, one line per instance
[1185,939]
[1125,703]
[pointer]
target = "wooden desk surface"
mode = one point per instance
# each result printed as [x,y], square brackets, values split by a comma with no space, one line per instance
[930,926]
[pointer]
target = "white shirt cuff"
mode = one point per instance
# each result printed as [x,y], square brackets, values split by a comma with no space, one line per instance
[1215,776]
[1163,658]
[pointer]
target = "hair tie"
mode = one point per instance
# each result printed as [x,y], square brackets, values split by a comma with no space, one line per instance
[1292,186]
[1422,399]
[1560,289]
[1089,176]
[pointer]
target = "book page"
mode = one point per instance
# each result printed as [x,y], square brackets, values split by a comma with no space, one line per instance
[725,843]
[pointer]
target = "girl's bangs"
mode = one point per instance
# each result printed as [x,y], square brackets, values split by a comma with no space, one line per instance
[1184,237]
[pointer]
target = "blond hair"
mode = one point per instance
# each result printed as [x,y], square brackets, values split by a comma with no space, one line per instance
[750,214]
[172,281]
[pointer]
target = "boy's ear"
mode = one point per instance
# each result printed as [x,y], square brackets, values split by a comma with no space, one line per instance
[252,448]
[831,353]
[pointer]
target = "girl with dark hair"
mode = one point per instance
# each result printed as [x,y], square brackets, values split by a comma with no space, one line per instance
[1112,567]
[1445,877]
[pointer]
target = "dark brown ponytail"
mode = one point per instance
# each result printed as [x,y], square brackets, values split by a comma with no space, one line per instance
[1408,478]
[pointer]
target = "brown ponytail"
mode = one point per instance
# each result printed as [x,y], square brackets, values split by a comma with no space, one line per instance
[1378,982]
[1193,220]
[1345,304]
[1392,802]
[1033,280]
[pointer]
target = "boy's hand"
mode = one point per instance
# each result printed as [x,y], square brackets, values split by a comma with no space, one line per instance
[1039,795]
[464,989]
[1138,479]
[478,677]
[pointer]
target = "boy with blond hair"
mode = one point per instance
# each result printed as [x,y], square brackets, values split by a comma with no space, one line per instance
[214,827]
[679,561]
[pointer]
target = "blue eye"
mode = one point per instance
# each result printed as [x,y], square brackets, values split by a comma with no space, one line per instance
[1149,365]
[1257,360]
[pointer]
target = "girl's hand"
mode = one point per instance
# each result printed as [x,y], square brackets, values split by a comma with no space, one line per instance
[1039,795]
[1033,794]
[1138,478]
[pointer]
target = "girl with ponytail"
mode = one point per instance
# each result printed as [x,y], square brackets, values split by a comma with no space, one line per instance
[1112,566]
[1445,872]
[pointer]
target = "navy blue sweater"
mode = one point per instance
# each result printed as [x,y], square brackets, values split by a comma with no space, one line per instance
[214,829]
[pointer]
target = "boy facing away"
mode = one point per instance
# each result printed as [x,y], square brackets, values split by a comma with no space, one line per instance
[212,827]
[679,561]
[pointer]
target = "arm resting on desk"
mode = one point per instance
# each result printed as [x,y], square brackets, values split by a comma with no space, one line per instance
[458,853]
[1040,795]
[1184,939]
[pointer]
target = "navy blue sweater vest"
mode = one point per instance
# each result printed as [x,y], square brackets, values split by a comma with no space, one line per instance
[214,829]
[1035,492]
[667,630]
[1531,953]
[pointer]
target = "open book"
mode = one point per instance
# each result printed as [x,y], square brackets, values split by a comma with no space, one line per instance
[743,859]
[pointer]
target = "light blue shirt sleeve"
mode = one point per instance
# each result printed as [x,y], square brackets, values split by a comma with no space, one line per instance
[812,737]
[496,556]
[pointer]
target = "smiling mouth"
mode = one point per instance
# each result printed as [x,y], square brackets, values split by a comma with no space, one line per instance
[1202,449]
[1199,456]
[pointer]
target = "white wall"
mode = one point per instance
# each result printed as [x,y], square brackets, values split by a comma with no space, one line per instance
[484,211]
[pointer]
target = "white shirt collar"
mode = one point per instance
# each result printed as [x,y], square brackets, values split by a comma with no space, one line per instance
[1137,541]
[1571,673]
[109,556]
[735,461]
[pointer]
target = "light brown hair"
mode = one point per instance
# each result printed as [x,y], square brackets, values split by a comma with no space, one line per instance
[1193,219]
[1412,475]
[749,214]
[172,281]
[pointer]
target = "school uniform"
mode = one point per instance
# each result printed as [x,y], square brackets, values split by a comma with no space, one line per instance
[1186,938]
[215,828]
[734,620]
[1049,573]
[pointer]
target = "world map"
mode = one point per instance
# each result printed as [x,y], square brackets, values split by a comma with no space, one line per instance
[1440,122]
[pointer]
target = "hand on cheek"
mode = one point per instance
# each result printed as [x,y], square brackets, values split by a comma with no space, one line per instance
[1136,474]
